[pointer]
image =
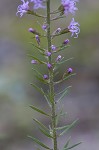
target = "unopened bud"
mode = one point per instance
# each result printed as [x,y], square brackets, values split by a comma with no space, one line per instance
[37,39]
[69,70]
[66,42]
[45,76]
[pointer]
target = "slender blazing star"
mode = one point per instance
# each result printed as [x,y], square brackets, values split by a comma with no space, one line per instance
[38,4]
[73,28]
[69,6]
[22,9]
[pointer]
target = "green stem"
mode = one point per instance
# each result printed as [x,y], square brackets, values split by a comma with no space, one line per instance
[51,83]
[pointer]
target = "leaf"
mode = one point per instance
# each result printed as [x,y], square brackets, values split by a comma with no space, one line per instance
[38,142]
[36,71]
[63,90]
[63,47]
[65,77]
[42,80]
[46,97]
[72,146]
[42,92]
[59,115]
[69,127]
[61,62]
[40,124]
[68,76]
[42,62]
[63,127]
[46,133]
[64,93]
[67,143]
[38,110]
[37,88]
[37,47]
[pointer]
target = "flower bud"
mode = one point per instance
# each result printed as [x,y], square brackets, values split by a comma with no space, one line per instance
[45,77]
[44,26]
[58,58]
[33,31]
[49,65]
[69,70]
[66,42]
[48,54]
[34,61]
[53,47]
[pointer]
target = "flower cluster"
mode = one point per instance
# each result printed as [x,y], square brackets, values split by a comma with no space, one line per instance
[73,28]
[24,8]
[69,6]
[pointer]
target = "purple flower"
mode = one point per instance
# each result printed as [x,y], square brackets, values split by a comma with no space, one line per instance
[58,58]
[53,47]
[44,26]
[73,28]
[34,61]
[45,76]
[48,54]
[38,4]
[69,70]
[66,42]
[69,6]
[23,9]
[49,65]
[31,30]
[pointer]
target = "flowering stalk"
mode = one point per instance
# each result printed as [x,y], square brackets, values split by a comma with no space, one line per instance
[51,83]
[66,7]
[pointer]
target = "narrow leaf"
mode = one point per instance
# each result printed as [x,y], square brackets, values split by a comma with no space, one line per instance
[36,71]
[42,80]
[37,47]
[68,76]
[72,146]
[42,92]
[61,62]
[61,128]
[63,47]
[59,115]
[38,142]
[67,143]
[37,88]
[46,97]
[63,90]
[38,110]
[64,93]
[40,61]
[40,124]
[45,133]
[65,77]
[69,127]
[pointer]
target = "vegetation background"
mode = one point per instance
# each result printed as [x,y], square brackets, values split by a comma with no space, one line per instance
[16,73]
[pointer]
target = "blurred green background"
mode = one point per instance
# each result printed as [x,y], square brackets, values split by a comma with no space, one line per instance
[16,75]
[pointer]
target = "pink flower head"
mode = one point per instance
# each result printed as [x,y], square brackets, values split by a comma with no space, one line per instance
[22,9]
[73,28]
[69,6]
